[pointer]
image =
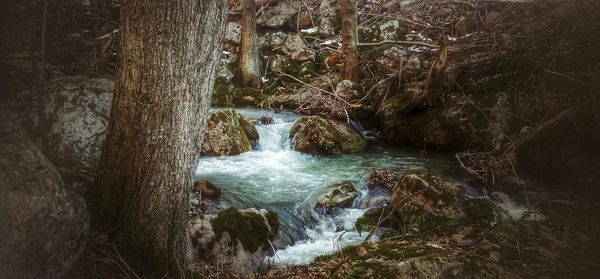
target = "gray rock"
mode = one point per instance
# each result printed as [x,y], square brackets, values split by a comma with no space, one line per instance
[76,110]
[318,135]
[329,19]
[346,89]
[232,256]
[233,32]
[271,39]
[225,74]
[295,47]
[228,133]
[341,195]
[43,223]
[277,15]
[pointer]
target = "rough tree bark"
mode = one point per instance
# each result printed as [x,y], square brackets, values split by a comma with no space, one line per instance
[349,23]
[169,51]
[249,66]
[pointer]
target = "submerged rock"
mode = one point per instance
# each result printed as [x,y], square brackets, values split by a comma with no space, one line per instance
[340,196]
[318,135]
[43,222]
[238,240]
[228,133]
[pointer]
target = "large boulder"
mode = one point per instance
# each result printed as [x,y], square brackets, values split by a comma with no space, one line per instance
[318,135]
[228,133]
[340,195]
[275,16]
[43,222]
[76,110]
[238,240]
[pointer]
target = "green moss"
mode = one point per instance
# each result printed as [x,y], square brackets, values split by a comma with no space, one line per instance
[308,69]
[414,74]
[221,95]
[482,214]
[249,129]
[249,229]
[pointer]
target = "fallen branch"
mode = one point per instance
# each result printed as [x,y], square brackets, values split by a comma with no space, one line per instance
[314,87]
[390,42]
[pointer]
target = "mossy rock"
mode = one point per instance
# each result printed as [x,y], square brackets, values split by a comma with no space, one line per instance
[228,133]
[222,95]
[322,136]
[253,230]
[246,96]
[420,198]
[341,195]
[307,70]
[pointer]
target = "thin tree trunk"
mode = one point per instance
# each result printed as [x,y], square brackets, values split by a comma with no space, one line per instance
[168,51]
[349,23]
[249,66]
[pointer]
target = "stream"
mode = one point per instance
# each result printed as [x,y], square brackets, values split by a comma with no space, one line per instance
[275,177]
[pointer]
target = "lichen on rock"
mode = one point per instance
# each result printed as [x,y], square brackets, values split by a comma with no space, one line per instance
[339,196]
[228,133]
[318,135]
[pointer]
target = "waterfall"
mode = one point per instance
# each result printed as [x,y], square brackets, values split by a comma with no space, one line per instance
[275,177]
[275,137]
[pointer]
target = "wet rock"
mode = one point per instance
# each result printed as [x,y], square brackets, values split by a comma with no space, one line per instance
[295,47]
[233,32]
[207,189]
[236,239]
[228,133]
[43,222]
[329,19]
[340,196]
[347,90]
[318,135]
[275,16]
[271,40]
[265,120]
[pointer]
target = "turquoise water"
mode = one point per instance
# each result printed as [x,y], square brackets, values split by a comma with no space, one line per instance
[276,177]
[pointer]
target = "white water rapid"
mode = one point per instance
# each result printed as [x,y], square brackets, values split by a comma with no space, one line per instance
[276,177]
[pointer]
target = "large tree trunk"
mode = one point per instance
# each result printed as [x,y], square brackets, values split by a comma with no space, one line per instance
[349,22]
[249,66]
[168,56]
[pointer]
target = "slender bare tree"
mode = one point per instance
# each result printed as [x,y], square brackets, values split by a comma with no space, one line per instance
[349,23]
[249,63]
